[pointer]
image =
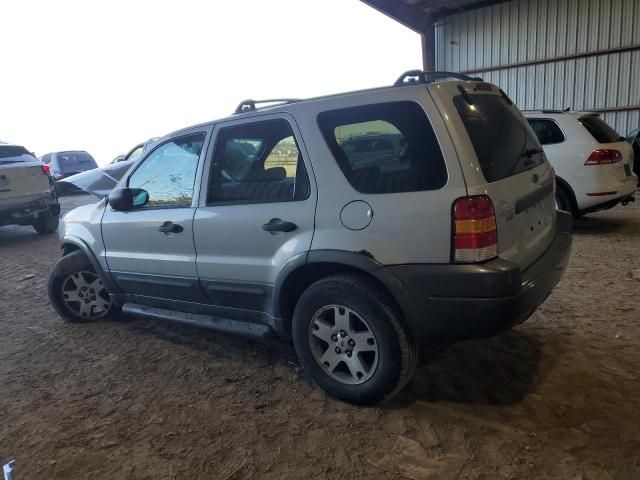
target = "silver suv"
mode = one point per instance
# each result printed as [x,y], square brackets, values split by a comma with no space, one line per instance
[360,226]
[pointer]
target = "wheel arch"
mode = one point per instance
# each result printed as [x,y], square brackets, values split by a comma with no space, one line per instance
[298,274]
[72,244]
[562,183]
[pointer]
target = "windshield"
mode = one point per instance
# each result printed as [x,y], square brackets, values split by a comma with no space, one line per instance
[70,162]
[14,154]
[599,129]
[501,137]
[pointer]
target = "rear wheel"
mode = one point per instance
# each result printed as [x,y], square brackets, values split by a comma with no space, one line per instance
[46,223]
[76,290]
[349,338]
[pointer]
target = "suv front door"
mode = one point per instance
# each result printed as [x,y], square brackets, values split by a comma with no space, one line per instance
[150,250]
[258,212]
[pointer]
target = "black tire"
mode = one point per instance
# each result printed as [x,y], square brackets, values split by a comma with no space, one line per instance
[396,351]
[46,223]
[67,266]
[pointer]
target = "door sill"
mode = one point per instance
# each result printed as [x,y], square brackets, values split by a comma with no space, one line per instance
[198,320]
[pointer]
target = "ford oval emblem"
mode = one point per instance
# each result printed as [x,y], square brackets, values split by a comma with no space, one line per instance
[535,178]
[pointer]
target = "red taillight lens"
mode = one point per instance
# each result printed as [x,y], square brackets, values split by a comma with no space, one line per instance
[46,169]
[475,235]
[604,157]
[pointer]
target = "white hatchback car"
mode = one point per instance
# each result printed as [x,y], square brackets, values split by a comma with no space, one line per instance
[593,163]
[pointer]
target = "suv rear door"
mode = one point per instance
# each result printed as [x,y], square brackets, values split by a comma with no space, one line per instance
[502,158]
[258,211]
[607,138]
[22,178]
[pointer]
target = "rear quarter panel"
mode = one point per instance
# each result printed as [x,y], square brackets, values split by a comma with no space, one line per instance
[412,227]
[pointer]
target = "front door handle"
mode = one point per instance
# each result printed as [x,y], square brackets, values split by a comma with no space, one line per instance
[277,225]
[170,227]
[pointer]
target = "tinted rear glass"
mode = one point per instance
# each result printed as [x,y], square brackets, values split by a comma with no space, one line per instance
[75,162]
[600,130]
[385,148]
[501,137]
[18,154]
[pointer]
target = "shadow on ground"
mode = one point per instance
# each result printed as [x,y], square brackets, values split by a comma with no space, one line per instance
[595,225]
[494,371]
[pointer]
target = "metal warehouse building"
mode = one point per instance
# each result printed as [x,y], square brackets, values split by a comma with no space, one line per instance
[546,54]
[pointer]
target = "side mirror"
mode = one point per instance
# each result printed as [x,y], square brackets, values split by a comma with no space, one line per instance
[124,199]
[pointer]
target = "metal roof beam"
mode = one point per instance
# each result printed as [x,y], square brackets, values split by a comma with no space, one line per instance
[411,17]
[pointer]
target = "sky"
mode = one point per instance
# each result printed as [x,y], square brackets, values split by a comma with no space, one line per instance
[104,76]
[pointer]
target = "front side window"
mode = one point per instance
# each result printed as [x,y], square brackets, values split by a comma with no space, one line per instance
[547,131]
[168,173]
[385,148]
[257,163]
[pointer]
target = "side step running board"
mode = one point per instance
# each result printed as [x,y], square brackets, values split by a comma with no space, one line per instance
[197,320]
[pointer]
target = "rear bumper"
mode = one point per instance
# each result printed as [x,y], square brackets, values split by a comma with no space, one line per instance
[457,302]
[590,203]
[26,213]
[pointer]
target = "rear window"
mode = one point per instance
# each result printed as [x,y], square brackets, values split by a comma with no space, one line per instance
[15,154]
[599,129]
[69,162]
[385,148]
[501,137]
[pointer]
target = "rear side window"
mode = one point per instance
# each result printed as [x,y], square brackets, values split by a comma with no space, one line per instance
[600,130]
[501,137]
[15,154]
[385,148]
[547,131]
[73,162]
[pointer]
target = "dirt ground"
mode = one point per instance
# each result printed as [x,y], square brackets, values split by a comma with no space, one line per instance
[556,398]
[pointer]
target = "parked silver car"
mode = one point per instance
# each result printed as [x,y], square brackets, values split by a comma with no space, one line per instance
[27,196]
[268,222]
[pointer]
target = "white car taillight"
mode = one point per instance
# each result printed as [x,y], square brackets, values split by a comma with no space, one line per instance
[604,157]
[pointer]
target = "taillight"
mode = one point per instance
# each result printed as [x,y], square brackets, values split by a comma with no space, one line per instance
[604,157]
[475,235]
[46,169]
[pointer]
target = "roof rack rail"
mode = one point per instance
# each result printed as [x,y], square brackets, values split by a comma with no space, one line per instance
[418,76]
[250,105]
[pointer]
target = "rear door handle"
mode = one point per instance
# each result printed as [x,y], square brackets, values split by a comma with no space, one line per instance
[277,225]
[170,227]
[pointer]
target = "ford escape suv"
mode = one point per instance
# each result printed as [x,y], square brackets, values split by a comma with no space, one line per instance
[361,226]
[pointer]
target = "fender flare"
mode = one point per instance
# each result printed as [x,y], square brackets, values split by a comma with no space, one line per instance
[84,248]
[362,261]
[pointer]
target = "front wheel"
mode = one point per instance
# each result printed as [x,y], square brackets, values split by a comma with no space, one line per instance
[349,338]
[76,290]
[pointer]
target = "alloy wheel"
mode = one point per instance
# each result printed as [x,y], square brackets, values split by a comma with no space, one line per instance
[343,344]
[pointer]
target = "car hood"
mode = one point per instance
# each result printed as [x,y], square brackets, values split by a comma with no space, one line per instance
[98,182]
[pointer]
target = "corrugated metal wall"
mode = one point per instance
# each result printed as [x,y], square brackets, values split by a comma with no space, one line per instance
[519,45]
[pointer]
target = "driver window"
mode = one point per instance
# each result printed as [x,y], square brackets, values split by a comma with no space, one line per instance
[169,172]
[257,163]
